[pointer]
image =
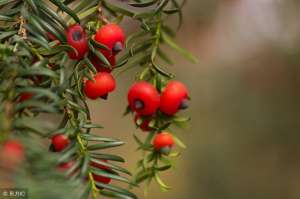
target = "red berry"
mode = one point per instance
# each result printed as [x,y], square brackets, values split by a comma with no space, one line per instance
[99,178]
[65,166]
[98,165]
[103,84]
[100,66]
[13,148]
[77,38]
[145,123]
[60,142]
[173,98]
[112,36]
[163,142]
[25,96]
[38,79]
[53,38]
[143,98]
[12,153]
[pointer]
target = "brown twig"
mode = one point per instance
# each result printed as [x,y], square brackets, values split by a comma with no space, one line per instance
[101,15]
[22,31]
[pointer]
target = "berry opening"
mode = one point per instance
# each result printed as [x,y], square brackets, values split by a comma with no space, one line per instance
[105,96]
[138,104]
[117,47]
[76,36]
[165,150]
[184,104]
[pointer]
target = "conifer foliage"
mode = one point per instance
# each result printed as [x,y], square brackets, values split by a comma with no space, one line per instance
[55,55]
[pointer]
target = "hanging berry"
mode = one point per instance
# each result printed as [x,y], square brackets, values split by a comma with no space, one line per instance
[100,66]
[25,96]
[103,84]
[113,37]
[173,98]
[65,166]
[144,125]
[143,98]
[163,143]
[51,37]
[12,153]
[60,142]
[100,178]
[77,38]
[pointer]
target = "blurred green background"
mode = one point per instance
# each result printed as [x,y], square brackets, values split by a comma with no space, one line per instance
[243,140]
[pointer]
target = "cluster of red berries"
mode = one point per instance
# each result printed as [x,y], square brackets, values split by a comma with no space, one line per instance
[60,142]
[112,36]
[145,101]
